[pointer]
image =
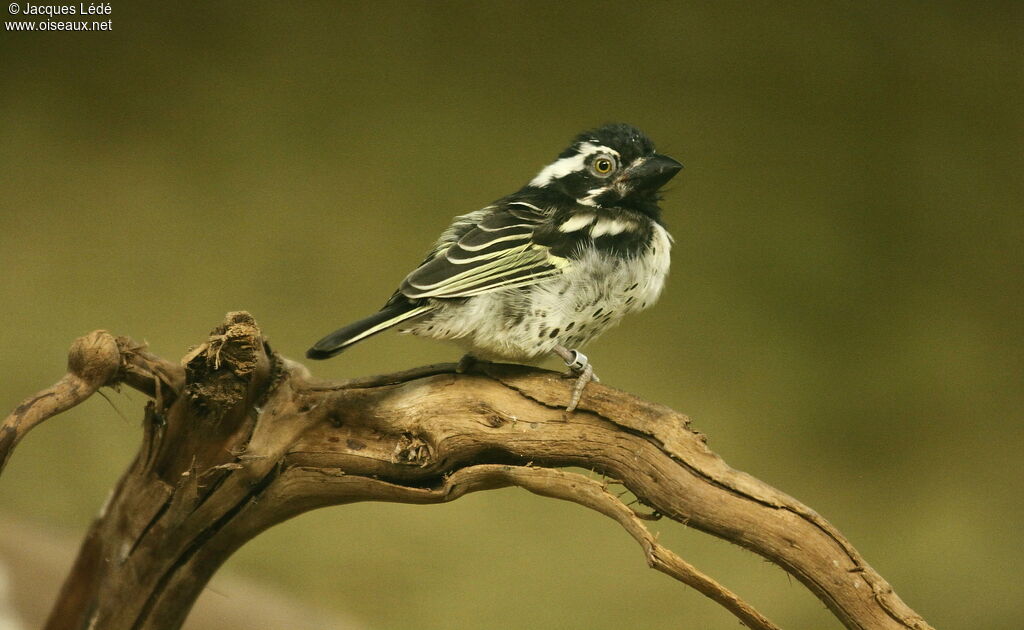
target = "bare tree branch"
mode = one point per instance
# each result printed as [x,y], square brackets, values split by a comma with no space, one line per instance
[240,439]
[95,360]
[587,492]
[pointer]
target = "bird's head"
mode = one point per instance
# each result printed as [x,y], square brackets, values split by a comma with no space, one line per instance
[614,166]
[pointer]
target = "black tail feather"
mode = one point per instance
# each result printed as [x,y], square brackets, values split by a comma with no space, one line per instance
[380,321]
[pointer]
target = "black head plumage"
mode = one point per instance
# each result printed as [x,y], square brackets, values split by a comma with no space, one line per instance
[630,142]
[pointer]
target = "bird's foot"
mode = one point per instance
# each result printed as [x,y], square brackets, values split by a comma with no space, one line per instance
[580,369]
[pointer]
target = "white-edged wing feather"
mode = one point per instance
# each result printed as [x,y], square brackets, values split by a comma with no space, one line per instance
[497,252]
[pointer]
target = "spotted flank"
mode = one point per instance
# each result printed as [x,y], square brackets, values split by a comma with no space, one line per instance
[590,294]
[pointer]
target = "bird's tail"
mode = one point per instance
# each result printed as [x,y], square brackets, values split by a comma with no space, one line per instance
[380,321]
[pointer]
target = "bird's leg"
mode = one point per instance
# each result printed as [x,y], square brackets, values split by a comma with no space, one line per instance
[580,368]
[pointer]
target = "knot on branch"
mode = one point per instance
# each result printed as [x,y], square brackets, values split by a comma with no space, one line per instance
[95,358]
[413,450]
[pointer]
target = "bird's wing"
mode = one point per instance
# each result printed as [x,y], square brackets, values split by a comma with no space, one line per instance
[497,252]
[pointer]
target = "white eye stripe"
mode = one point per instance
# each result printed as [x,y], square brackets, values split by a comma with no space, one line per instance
[577,222]
[574,163]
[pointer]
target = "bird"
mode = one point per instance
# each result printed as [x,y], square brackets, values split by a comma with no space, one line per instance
[546,269]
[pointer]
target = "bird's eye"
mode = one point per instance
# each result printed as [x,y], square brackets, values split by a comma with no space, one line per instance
[603,165]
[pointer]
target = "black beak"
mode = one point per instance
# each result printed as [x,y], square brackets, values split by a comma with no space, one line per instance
[652,173]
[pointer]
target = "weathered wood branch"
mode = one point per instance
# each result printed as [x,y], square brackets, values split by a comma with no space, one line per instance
[238,439]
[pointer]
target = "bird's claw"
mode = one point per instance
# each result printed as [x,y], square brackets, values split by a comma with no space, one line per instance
[585,376]
[580,368]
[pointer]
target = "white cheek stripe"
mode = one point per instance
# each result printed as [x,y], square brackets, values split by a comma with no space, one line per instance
[578,222]
[591,198]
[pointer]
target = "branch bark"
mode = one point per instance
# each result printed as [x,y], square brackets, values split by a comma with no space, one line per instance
[237,439]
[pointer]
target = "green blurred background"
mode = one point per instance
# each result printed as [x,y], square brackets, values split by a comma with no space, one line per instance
[843,318]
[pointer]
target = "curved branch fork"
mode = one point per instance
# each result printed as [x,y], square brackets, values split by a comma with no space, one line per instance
[237,439]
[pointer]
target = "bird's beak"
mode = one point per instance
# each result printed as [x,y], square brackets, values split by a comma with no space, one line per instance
[652,173]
